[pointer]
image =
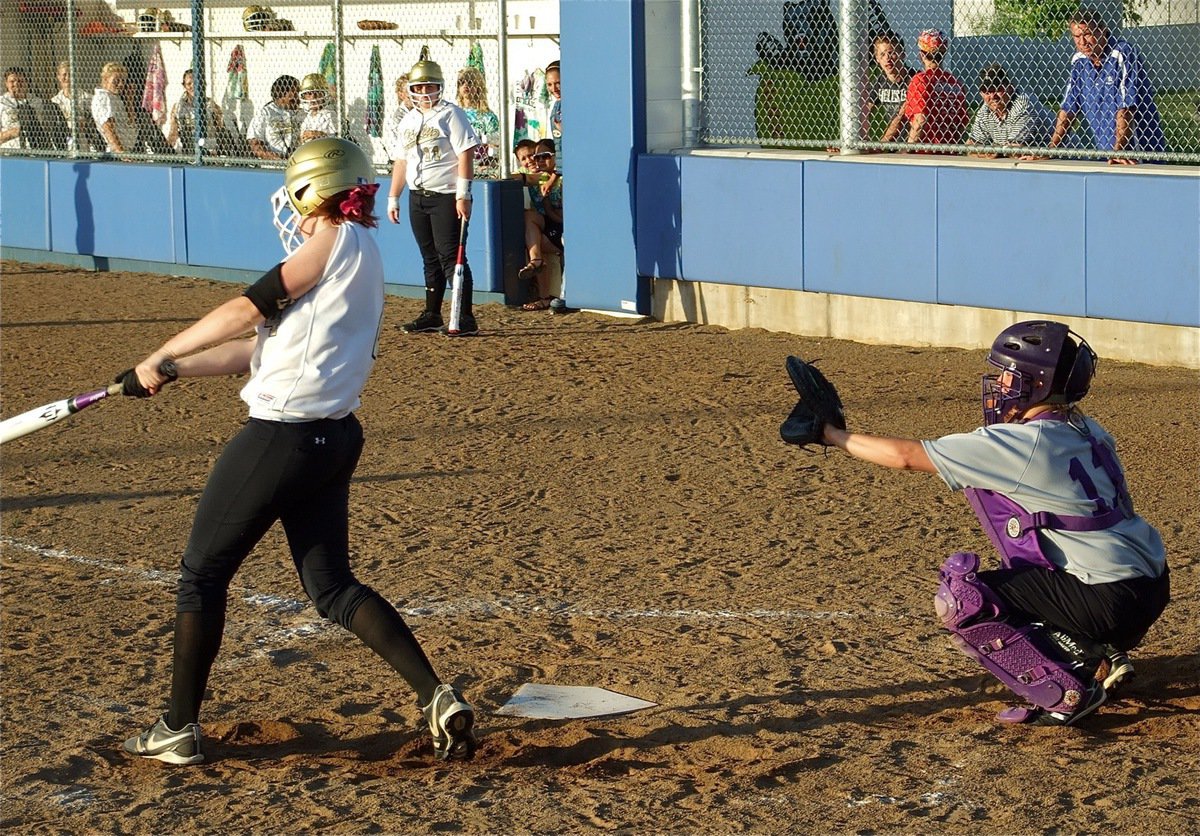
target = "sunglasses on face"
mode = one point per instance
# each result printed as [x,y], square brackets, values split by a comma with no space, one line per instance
[542,155]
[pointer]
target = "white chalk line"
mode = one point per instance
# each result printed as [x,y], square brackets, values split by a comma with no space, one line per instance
[517,605]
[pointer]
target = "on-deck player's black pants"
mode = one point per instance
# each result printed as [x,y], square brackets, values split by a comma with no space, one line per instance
[435,226]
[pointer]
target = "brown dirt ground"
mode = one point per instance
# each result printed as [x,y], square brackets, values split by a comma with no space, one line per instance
[569,500]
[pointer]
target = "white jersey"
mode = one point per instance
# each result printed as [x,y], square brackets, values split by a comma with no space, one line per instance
[1048,465]
[431,141]
[320,121]
[312,361]
[277,128]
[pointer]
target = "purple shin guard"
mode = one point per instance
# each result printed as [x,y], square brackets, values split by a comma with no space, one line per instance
[974,615]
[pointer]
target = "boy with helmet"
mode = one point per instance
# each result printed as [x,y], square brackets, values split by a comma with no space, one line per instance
[936,104]
[317,316]
[435,159]
[1082,576]
[318,119]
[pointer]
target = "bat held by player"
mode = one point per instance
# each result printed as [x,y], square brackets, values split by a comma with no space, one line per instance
[51,413]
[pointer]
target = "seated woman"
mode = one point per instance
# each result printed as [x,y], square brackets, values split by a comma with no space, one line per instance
[181,133]
[113,118]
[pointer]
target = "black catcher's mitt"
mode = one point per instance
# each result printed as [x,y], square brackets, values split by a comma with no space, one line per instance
[819,405]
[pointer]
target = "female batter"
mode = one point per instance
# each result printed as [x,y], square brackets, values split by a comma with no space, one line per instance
[1082,576]
[317,317]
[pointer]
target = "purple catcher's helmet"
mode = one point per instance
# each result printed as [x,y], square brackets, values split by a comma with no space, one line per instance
[1040,362]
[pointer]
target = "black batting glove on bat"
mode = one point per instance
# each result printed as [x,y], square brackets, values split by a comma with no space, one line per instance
[132,387]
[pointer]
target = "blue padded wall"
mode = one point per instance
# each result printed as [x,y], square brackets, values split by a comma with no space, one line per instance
[870,230]
[602,135]
[116,210]
[1011,239]
[24,203]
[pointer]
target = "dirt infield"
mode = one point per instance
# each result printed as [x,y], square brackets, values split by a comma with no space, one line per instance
[571,500]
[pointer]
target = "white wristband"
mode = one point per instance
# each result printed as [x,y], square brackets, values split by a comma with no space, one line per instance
[393,202]
[463,190]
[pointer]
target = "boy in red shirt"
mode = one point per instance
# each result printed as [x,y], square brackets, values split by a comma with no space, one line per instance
[936,106]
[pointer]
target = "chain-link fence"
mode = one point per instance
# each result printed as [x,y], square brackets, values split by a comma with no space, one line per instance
[971,76]
[101,78]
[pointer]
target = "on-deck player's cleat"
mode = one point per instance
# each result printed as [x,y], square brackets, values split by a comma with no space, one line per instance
[162,743]
[467,327]
[451,721]
[427,321]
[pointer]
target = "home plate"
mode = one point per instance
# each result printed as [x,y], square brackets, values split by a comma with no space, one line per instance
[568,702]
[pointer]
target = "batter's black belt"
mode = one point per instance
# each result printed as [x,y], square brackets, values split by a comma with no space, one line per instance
[428,193]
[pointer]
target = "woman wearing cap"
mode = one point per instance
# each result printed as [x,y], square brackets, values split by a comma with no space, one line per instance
[936,105]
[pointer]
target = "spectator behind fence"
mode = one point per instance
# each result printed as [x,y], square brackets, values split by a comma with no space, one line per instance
[391,131]
[76,109]
[1007,116]
[472,98]
[181,131]
[23,118]
[111,112]
[314,103]
[936,106]
[554,86]
[275,130]
[1109,85]
[888,91]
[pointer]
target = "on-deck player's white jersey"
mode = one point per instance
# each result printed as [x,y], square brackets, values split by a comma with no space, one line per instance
[1048,465]
[431,141]
[313,360]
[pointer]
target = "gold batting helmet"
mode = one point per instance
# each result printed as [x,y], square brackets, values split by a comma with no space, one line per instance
[319,169]
[425,72]
[314,90]
[256,18]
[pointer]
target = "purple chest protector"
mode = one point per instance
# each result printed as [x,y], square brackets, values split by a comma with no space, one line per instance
[1014,531]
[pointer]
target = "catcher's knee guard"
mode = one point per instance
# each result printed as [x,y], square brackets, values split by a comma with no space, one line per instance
[1019,656]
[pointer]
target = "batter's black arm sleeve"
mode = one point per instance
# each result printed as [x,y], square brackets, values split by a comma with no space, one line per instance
[268,294]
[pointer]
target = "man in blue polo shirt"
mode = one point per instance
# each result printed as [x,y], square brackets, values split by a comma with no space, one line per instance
[1110,86]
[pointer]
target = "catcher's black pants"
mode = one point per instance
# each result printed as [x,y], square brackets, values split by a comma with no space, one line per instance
[435,225]
[1117,613]
[298,474]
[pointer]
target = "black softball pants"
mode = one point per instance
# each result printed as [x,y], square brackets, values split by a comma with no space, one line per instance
[435,225]
[300,475]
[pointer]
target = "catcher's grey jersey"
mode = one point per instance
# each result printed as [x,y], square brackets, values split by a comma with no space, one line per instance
[1047,465]
[313,359]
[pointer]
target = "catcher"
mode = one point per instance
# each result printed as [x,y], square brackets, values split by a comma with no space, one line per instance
[1082,576]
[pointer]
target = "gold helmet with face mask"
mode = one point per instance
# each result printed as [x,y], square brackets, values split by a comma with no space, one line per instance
[256,18]
[317,171]
[148,20]
[314,91]
[425,72]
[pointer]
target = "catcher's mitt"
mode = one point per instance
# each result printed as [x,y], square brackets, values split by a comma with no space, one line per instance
[819,405]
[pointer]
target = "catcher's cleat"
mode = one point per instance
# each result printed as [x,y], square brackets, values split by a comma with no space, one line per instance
[451,721]
[1031,714]
[1115,671]
[162,743]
